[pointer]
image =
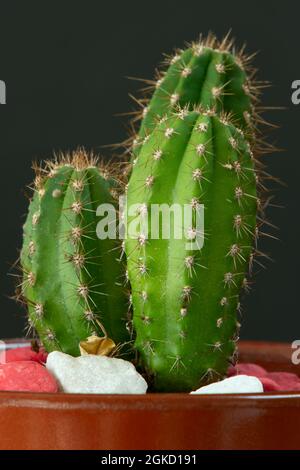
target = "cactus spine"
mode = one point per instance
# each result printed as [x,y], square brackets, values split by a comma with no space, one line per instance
[185,302]
[71,278]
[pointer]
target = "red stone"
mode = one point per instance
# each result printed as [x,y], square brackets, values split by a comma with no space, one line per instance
[26,376]
[272,381]
[26,354]
[269,385]
[247,369]
[286,381]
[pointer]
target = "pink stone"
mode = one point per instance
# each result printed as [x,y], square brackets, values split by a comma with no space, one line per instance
[286,381]
[247,369]
[26,376]
[272,381]
[269,385]
[26,354]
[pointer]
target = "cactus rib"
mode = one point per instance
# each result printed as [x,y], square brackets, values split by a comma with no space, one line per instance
[185,302]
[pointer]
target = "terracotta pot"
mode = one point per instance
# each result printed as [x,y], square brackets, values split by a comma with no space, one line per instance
[158,421]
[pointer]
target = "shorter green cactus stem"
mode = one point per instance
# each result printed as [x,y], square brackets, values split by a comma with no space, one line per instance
[185,301]
[72,280]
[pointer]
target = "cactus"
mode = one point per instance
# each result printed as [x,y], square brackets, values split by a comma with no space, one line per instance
[206,74]
[185,301]
[72,281]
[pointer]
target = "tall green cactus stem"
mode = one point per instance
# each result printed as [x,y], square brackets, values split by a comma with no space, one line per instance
[71,278]
[205,74]
[185,301]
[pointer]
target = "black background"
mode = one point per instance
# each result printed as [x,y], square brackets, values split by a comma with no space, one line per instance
[65,65]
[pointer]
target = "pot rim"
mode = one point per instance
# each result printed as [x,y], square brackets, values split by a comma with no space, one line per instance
[268,353]
[135,401]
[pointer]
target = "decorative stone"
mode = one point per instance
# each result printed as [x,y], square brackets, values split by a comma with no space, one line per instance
[272,381]
[236,384]
[26,376]
[24,353]
[95,374]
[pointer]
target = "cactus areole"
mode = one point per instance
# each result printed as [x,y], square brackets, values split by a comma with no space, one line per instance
[185,301]
[72,280]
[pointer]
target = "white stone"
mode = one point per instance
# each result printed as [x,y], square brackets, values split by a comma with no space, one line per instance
[94,374]
[236,384]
